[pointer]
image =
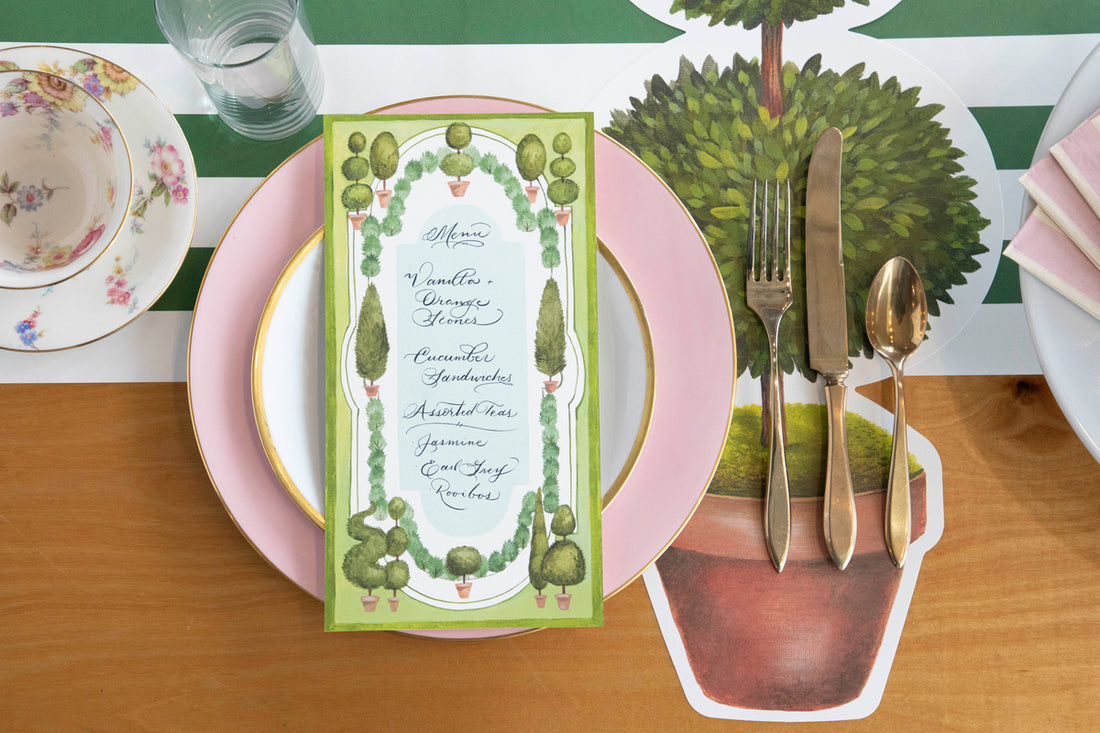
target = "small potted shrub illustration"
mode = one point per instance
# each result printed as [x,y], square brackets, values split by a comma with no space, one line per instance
[564,562]
[539,546]
[397,542]
[372,346]
[550,335]
[531,162]
[356,196]
[457,163]
[361,566]
[384,158]
[461,562]
[562,190]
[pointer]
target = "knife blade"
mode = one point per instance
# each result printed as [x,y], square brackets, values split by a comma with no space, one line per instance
[827,325]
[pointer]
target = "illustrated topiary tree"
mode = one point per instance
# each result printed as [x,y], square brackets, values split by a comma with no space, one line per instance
[550,335]
[564,563]
[376,457]
[397,542]
[771,16]
[710,133]
[384,159]
[562,190]
[462,561]
[539,545]
[457,163]
[372,346]
[361,566]
[531,162]
[356,196]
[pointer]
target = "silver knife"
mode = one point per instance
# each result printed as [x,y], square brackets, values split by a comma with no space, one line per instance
[827,324]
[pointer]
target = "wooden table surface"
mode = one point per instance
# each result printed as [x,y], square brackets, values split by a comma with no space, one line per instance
[129,600]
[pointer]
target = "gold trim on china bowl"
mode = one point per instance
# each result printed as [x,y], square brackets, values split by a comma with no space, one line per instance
[702,238]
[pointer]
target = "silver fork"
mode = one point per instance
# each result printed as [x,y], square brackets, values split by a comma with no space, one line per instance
[768,292]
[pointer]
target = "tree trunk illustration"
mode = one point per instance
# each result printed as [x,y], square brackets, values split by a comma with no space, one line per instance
[771,68]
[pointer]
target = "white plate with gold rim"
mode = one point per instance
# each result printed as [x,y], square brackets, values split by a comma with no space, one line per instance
[288,376]
[147,253]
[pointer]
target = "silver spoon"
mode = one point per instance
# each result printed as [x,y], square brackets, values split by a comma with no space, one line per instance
[897,314]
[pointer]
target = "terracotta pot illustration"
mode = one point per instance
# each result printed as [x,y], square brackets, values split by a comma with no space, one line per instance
[383,196]
[551,385]
[463,589]
[532,193]
[563,600]
[458,188]
[357,219]
[540,600]
[803,639]
[371,389]
[393,602]
[369,602]
[562,215]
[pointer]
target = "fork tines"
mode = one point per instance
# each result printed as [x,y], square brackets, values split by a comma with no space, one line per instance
[759,261]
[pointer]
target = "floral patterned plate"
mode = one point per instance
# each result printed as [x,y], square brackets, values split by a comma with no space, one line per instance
[148,252]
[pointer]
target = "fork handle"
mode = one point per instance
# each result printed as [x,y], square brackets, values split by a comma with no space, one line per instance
[840,503]
[777,498]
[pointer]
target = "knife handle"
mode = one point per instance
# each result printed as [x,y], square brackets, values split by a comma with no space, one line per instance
[898,513]
[777,497]
[840,503]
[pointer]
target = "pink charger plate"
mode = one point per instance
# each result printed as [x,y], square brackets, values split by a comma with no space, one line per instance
[660,249]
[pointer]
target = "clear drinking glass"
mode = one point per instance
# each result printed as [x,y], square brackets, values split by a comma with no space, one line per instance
[255,58]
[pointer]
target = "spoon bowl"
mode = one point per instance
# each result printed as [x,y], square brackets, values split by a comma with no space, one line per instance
[896,318]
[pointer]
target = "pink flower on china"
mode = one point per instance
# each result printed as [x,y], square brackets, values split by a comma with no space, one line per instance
[90,238]
[7,109]
[179,194]
[58,256]
[167,166]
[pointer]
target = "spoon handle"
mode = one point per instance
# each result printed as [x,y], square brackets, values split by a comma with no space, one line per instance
[840,503]
[897,515]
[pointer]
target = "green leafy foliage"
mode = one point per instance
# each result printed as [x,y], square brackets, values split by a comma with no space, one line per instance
[457,164]
[564,564]
[464,560]
[550,331]
[539,545]
[548,418]
[903,189]
[355,168]
[530,157]
[372,346]
[751,13]
[384,155]
[397,541]
[357,142]
[396,508]
[742,470]
[356,196]
[563,523]
[563,191]
[458,135]
[396,575]
[376,458]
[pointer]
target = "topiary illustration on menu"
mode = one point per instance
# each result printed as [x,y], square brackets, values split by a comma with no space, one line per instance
[461,379]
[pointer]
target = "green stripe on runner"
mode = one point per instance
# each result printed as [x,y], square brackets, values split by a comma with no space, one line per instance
[220,152]
[1005,287]
[955,18]
[378,22]
[1012,132]
[182,294]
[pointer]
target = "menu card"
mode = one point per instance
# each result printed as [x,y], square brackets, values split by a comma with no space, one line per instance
[462,441]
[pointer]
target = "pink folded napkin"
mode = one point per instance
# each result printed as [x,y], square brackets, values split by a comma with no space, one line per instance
[1045,251]
[1059,242]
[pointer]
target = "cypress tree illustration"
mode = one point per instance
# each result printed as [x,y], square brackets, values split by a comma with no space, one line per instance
[539,546]
[372,346]
[550,333]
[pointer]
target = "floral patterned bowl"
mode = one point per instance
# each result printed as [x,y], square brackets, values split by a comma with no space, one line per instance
[65,179]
